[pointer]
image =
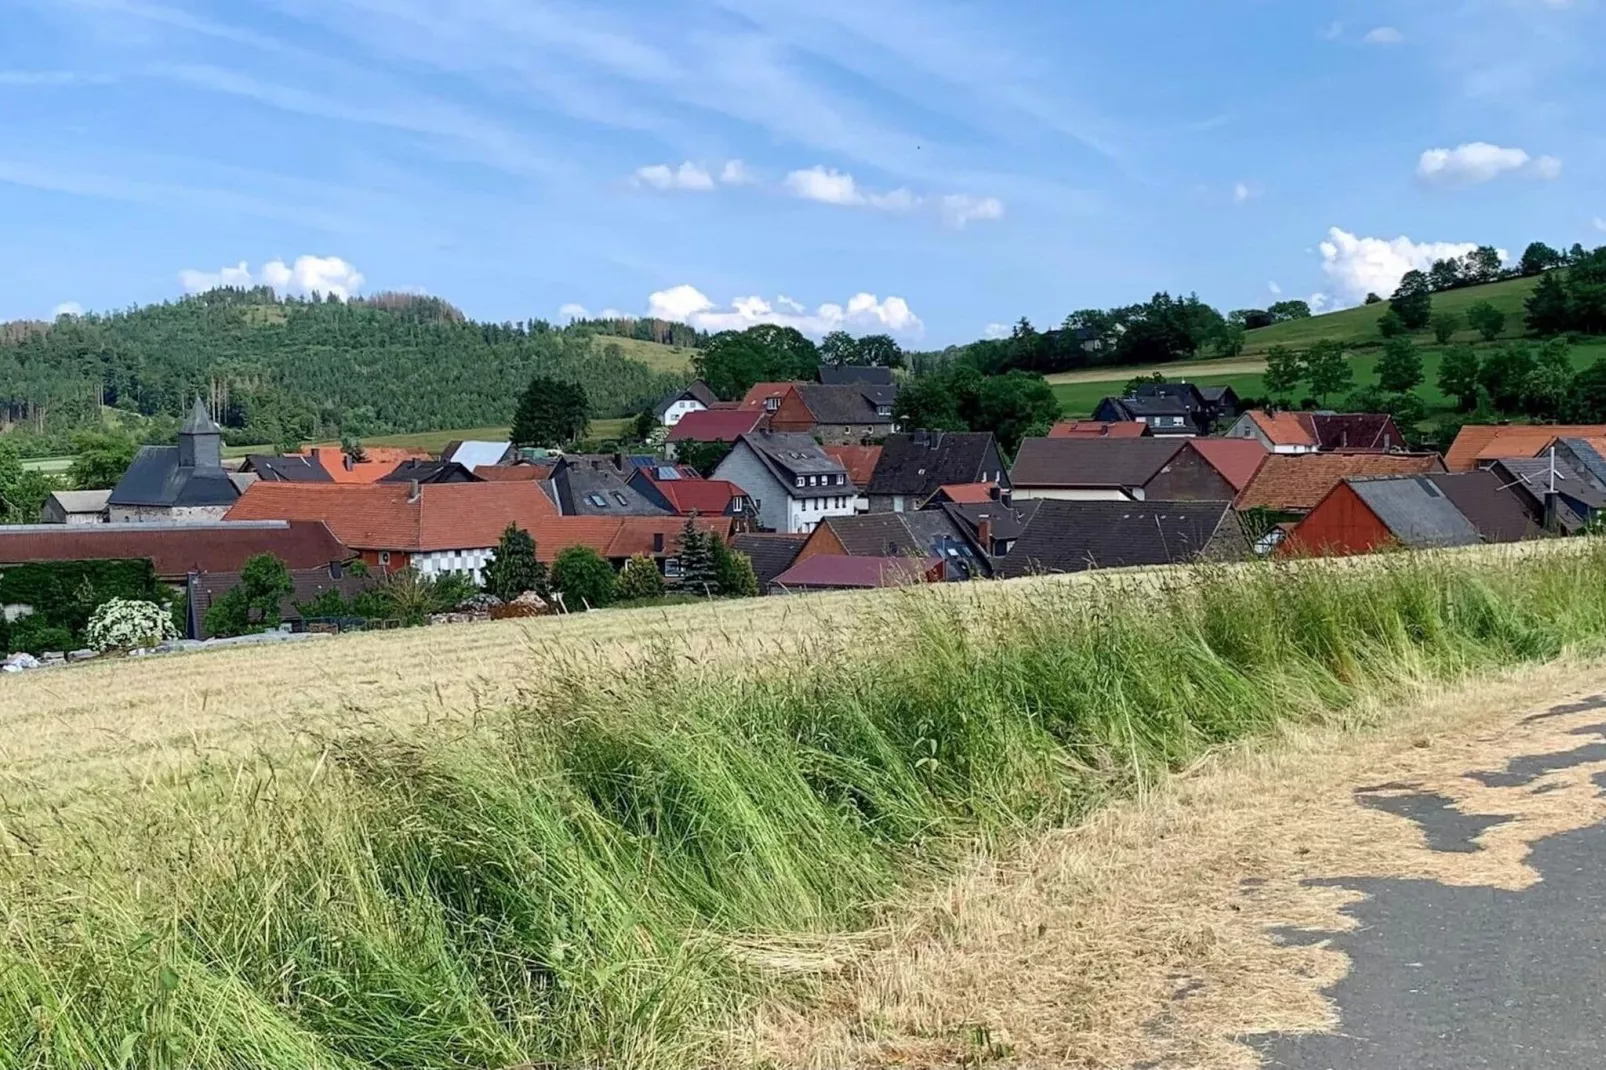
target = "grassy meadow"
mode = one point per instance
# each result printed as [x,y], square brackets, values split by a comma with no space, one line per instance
[655,355]
[617,864]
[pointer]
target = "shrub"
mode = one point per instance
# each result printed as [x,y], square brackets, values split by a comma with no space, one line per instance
[735,571]
[639,580]
[585,578]
[514,568]
[252,605]
[36,635]
[126,624]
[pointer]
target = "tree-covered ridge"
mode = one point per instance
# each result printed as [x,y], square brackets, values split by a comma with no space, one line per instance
[277,370]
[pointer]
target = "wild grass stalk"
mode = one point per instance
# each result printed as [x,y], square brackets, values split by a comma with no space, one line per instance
[592,879]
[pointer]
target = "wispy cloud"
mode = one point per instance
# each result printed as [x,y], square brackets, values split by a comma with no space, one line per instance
[1384,35]
[864,313]
[688,176]
[52,78]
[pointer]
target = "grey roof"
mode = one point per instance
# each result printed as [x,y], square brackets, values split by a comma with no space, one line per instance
[422,471]
[1072,536]
[789,454]
[1594,464]
[155,478]
[296,468]
[698,391]
[199,422]
[1008,521]
[837,374]
[917,463]
[471,454]
[81,501]
[771,554]
[844,405]
[594,488]
[1092,462]
[931,533]
[1533,474]
[1157,405]
[1499,513]
[1416,511]
[1214,394]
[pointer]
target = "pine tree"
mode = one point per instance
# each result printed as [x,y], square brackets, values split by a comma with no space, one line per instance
[698,571]
[514,568]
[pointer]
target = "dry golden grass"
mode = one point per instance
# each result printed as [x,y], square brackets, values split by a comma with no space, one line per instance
[1146,936]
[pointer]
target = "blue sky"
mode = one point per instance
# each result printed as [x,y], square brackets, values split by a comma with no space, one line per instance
[927,167]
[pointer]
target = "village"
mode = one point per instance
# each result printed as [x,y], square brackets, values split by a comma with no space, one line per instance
[810,486]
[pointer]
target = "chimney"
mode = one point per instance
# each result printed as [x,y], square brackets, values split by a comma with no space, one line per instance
[1552,511]
[984,534]
[1005,496]
[413,491]
[657,542]
[619,462]
[995,492]
[348,461]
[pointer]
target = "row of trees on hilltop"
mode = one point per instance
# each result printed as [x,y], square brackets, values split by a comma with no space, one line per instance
[731,362]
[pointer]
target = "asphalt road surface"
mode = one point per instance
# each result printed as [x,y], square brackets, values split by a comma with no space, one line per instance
[1472,978]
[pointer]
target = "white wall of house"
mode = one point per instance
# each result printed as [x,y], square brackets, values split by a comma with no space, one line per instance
[743,467]
[1246,428]
[1078,494]
[680,408]
[162,514]
[441,562]
[805,514]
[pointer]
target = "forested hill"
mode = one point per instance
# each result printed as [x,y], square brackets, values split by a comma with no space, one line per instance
[281,370]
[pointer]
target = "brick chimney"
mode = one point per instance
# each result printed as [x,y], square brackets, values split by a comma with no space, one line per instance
[984,534]
[413,491]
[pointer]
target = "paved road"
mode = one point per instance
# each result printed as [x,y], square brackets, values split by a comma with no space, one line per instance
[1452,978]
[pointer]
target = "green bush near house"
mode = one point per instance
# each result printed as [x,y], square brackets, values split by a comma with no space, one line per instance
[63,594]
[584,578]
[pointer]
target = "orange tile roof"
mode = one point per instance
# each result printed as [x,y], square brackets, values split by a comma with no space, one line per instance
[1099,429]
[381,462]
[1283,428]
[708,497]
[380,516]
[1237,459]
[968,493]
[860,461]
[1294,483]
[754,399]
[634,534]
[1484,442]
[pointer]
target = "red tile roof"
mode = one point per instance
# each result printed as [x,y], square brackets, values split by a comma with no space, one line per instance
[176,549]
[860,461]
[837,571]
[714,425]
[1237,459]
[1481,442]
[380,463]
[384,516]
[1283,428]
[1295,483]
[968,493]
[634,534]
[760,392]
[706,497]
[1099,429]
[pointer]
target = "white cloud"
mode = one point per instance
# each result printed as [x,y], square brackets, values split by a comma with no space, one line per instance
[572,311]
[309,274]
[67,308]
[1384,35]
[864,313]
[1243,192]
[1276,290]
[1318,302]
[687,176]
[996,331]
[1358,266]
[828,186]
[736,173]
[1479,161]
[961,208]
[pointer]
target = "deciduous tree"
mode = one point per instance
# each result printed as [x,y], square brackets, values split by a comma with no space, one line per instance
[1487,320]
[1285,368]
[1458,377]
[1413,300]
[1399,369]
[584,577]
[550,414]
[1328,369]
[1445,324]
[514,567]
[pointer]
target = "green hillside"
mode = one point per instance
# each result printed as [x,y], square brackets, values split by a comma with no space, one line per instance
[303,370]
[1358,326]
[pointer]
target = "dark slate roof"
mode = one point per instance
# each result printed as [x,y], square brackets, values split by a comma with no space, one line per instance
[1092,462]
[1355,431]
[931,533]
[771,554]
[1216,394]
[594,488]
[1533,473]
[199,422]
[1074,536]
[1417,513]
[1008,521]
[295,468]
[1588,456]
[841,374]
[1186,394]
[698,391]
[916,464]
[1134,407]
[839,404]
[789,454]
[155,478]
[1495,510]
[421,471]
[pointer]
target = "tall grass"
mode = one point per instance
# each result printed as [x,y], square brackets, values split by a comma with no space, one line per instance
[607,876]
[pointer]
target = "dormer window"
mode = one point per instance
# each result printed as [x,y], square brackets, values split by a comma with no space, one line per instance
[800,481]
[771,404]
[841,480]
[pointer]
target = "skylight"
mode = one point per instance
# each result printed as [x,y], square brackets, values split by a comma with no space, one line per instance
[597,500]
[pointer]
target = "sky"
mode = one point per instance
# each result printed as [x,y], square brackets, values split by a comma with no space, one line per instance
[932,169]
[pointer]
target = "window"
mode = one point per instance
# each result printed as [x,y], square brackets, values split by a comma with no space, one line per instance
[620,498]
[384,557]
[811,481]
[800,481]
[597,500]
[771,404]
[841,480]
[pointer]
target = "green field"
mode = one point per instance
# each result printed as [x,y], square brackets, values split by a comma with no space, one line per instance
[1358,326]
[660,358]
[1080,398]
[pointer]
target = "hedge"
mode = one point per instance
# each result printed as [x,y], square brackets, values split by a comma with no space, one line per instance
[64,593]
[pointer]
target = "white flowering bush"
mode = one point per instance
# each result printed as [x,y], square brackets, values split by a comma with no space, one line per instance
[129,624]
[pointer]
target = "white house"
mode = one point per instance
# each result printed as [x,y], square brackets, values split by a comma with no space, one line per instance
[1279,432]
[695,398]
[794,484]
